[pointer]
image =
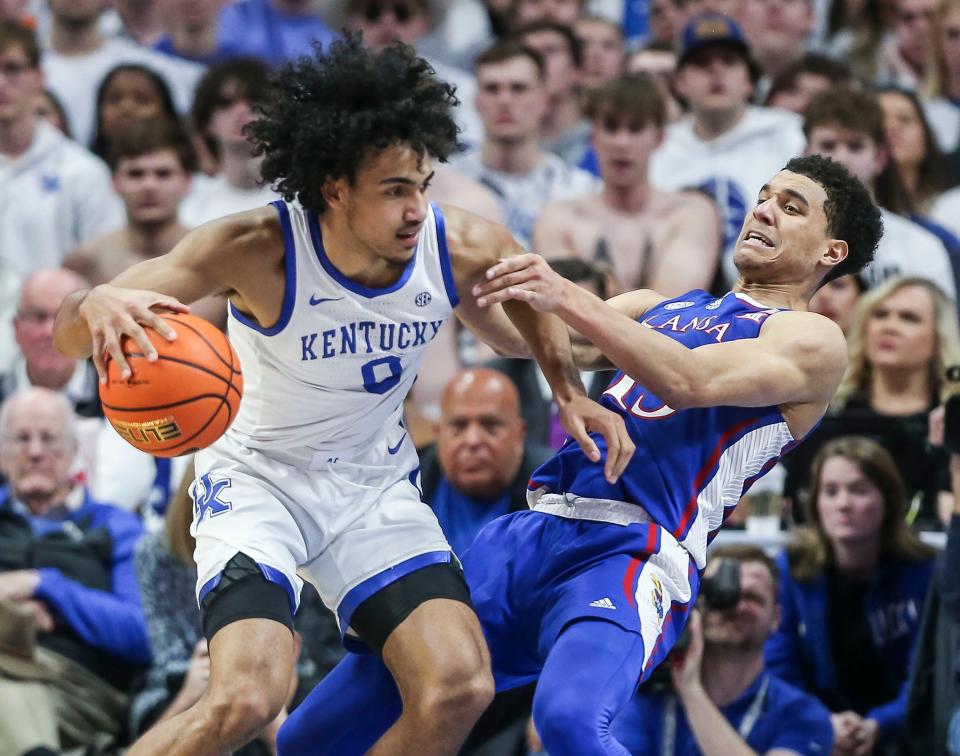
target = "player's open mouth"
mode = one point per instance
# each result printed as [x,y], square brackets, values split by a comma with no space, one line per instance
[756,236]
[409,238]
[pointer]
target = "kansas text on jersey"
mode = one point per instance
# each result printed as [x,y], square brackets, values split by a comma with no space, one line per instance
[691,466]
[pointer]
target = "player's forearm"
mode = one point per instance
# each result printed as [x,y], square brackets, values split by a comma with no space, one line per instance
[549,342]
[71,336]
[714,734]
[656,361]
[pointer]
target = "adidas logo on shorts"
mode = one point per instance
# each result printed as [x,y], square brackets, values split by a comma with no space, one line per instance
[603,603]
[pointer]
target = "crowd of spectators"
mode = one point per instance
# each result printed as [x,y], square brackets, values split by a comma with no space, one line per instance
[626,142]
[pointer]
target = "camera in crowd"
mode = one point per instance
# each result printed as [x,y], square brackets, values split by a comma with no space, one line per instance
[718,592]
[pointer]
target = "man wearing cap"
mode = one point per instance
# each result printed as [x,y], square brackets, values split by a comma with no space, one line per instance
[409,21]
[724,147]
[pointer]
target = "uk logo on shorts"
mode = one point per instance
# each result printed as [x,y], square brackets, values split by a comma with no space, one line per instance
[207,496]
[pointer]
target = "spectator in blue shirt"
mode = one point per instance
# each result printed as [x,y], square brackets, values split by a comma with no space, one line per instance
[479,467]
[723,700]
[193,32]
[852,593]
[273,30]
[67,579]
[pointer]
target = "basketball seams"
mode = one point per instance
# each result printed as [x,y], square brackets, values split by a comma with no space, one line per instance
[213,415]
[181,361]
[221,397]
[206,341]
[115,408]
[204,408]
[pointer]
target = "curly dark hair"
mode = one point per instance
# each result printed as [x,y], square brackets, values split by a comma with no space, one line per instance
[327,113]
[851,212]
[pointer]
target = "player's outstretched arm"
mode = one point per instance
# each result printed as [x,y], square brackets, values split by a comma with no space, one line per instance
[475,244]
[210,260]
[799,357]
[633,304]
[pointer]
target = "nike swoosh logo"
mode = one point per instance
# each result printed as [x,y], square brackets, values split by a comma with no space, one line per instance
[315,300]
[395,449]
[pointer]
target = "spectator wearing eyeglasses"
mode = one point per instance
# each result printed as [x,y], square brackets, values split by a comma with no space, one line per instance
[112,469]
[38,362]
[383,22]
[72,629]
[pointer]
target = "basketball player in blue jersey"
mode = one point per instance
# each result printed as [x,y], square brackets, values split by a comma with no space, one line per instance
[589,590]
[333,299]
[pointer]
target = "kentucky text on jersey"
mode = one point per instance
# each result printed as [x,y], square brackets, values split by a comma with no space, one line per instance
[342,356]
[691,466]
[367,337]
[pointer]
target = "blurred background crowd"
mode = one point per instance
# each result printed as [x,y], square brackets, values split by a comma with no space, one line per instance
[625,140]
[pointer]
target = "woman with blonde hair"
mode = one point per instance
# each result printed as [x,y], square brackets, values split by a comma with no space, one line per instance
[903,337]
[851,594]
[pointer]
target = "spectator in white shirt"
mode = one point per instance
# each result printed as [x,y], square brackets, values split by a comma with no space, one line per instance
[225,102]
[80,55]
[512,100]
[847,125]
[54,195]
[725,146]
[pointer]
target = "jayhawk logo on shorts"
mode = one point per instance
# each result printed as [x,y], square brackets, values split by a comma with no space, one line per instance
[657,594]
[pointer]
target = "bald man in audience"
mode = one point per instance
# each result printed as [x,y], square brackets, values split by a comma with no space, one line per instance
[479,467]
[38,363]
[73,627]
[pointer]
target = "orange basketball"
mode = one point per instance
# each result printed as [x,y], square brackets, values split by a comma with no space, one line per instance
[182,402]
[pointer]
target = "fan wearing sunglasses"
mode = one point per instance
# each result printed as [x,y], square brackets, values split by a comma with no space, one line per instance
[382,22]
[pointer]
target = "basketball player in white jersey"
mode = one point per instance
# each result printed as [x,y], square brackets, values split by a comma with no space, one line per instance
[332,300]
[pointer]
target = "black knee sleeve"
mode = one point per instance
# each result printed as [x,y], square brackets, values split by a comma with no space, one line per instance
[244,593]
[383,612]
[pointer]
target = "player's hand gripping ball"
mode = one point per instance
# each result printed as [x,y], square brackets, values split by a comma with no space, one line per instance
[182,402]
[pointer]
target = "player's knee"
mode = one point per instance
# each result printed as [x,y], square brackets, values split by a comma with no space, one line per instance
[459,693]
[244,709]
[564,728]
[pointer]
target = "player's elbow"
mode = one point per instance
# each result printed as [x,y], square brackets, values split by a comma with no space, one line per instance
[513,348]
[682,391]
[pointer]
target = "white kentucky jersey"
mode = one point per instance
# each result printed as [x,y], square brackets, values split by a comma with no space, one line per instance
[333,371]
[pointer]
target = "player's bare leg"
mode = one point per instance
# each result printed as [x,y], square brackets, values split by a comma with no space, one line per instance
[441,665]
[251,662]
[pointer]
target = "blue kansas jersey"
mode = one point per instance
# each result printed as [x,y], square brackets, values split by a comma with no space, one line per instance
[691,466]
